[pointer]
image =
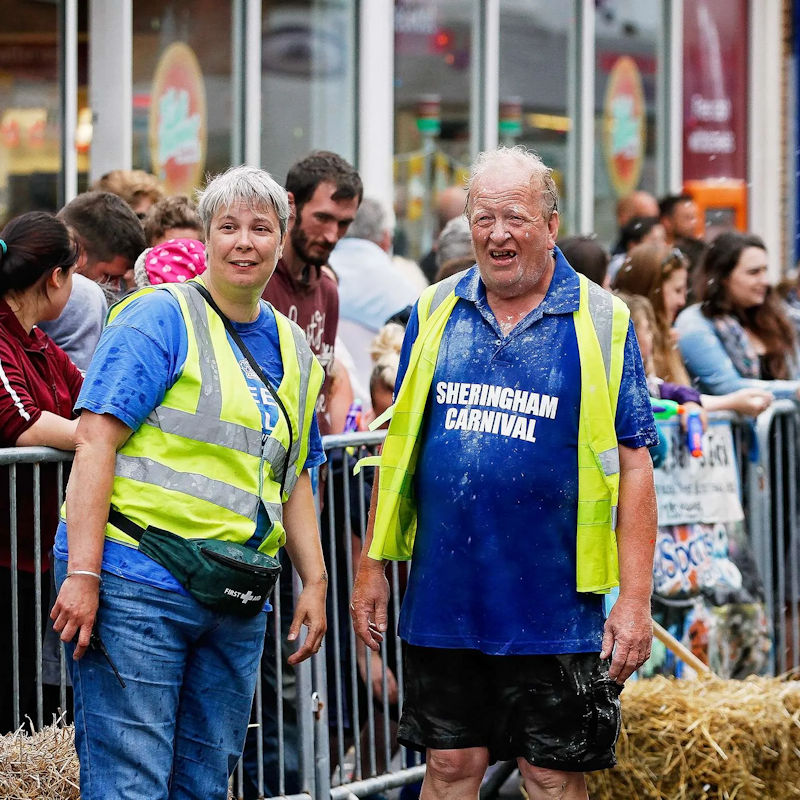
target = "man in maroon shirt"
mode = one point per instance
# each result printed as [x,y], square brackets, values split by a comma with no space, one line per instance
[324,195]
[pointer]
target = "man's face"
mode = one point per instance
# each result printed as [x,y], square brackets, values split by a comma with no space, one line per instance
[684,219]
[320,223]
[106,272]
[513,240]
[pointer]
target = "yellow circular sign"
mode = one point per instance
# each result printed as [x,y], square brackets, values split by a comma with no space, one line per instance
[178,129]
[624,125]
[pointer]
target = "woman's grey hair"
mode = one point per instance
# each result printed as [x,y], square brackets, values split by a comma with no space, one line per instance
[524,162]
[254,187]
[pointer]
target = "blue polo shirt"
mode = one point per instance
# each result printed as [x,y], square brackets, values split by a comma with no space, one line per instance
[497,484]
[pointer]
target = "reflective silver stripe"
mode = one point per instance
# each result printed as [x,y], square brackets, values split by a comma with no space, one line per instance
[208,430]
[613,518]
[274,511]
[609,460]
[443,288]
[275,454]
[145,470]
[210,400]
[305,359]
[601,310]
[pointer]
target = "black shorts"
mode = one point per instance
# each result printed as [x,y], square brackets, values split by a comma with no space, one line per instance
[559,712]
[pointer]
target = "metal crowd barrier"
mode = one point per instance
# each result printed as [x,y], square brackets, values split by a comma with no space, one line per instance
[345,743]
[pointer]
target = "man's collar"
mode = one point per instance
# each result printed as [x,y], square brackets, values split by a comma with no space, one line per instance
[563,294]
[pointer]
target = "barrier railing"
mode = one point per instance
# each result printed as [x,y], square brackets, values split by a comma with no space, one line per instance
[344,746]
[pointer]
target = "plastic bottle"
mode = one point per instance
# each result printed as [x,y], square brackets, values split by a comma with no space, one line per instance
[353,417]
[694,433]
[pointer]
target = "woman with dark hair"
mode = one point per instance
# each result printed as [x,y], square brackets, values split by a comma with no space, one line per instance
[739,334]
[38,389]
[660,274]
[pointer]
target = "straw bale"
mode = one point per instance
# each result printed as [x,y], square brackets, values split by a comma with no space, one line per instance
[708,739]
[39,766]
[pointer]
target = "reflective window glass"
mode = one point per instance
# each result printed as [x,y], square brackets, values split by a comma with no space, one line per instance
[533,83]
[182,90]
[307,80]
[432,95]
[626,37]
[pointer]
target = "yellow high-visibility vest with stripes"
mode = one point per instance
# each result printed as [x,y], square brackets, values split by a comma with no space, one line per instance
[601,326]
[199,465]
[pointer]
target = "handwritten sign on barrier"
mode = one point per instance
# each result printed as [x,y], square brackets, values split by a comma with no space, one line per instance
[698,490]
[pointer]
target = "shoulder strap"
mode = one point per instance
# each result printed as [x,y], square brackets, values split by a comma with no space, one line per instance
[254,364]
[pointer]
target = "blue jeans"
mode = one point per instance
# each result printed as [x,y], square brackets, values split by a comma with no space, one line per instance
[176,732]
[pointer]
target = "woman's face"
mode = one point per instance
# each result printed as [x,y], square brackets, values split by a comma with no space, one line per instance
[243,247]
[747,284]
[674,293]
[59,290]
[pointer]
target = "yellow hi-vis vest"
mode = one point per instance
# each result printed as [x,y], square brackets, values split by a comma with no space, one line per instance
[601,325]
[199,465]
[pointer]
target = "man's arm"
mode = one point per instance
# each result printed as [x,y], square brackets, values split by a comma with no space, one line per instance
[370,599]
[305,550]
[628,630]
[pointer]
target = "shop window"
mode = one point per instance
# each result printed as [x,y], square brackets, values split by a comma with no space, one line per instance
[533,83]
[432,96]
[182,90]
[30,158]
[307,80]
[626,63]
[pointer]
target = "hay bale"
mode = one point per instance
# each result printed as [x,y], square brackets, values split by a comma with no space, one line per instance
[39,766]
[706,740]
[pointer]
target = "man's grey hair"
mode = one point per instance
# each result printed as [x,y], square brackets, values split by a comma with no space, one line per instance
[369,222]
[454,242]
[253,187]
[522,161]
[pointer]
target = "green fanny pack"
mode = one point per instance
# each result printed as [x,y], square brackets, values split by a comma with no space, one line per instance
[225,576]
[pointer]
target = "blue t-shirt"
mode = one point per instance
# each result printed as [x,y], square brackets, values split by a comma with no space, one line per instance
[140,355]
[497,485]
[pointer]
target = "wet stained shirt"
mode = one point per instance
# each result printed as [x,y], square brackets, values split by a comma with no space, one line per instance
[494,558]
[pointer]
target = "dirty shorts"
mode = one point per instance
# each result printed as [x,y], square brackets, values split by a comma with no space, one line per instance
[559,712]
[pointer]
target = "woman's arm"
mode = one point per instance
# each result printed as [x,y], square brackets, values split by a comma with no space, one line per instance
[305,550]
[98,438]
[49,430]
[706,358]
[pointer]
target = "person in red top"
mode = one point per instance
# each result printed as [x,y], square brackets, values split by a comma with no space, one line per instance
[38,389]
[324,195]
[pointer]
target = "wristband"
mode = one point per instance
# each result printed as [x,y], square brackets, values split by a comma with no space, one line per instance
[85,572]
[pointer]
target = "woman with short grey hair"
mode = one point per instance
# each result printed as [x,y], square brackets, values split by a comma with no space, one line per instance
[196,435]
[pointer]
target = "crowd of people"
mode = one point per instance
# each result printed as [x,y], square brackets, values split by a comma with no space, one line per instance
[193,354]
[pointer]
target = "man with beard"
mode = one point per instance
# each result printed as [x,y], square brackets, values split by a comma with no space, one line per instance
[324,195]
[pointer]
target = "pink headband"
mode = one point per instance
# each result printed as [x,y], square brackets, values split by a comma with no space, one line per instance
[175,261]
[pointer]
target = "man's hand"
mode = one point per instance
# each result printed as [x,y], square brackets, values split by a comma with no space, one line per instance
[75,610]
[628,636]
[310,611]
[368,606]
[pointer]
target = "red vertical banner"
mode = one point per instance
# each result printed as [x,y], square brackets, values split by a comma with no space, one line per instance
[715,51]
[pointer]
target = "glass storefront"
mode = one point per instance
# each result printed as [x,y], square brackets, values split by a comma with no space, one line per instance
[182,90]
[308,79]
[533,87]
[626,63]
[432,111]
[30,158]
